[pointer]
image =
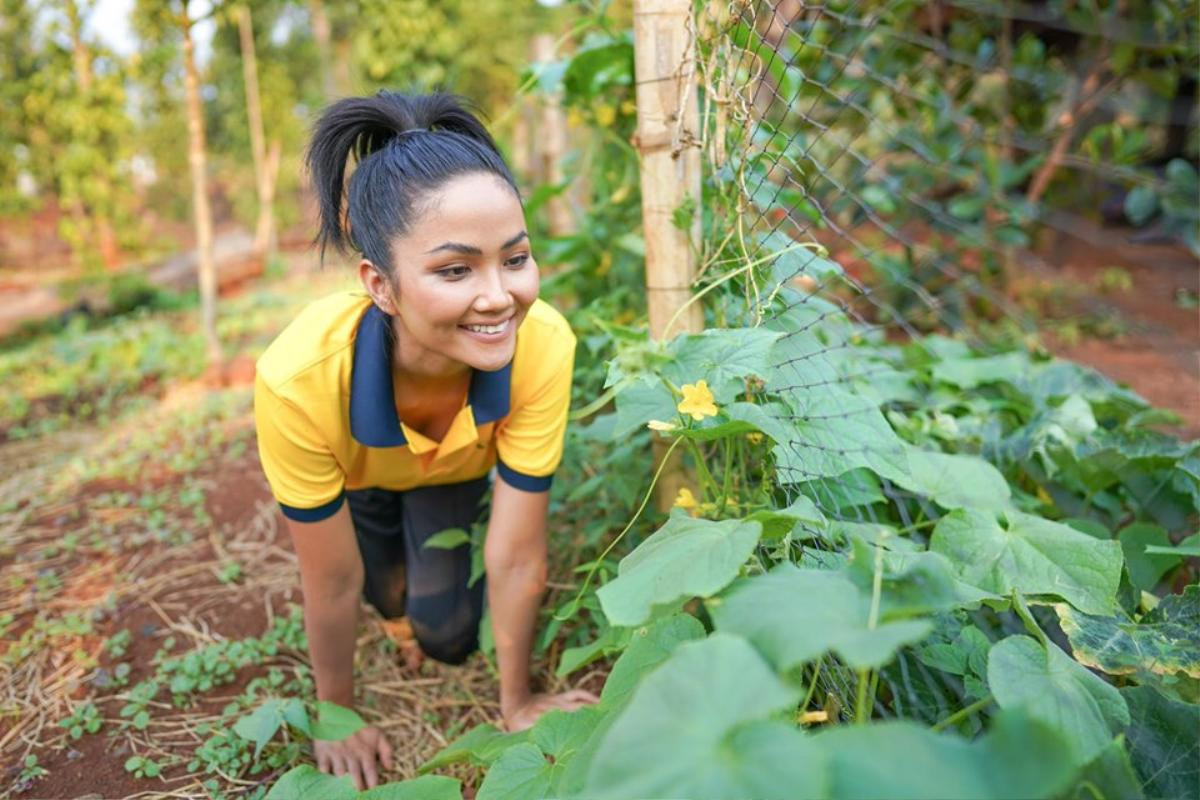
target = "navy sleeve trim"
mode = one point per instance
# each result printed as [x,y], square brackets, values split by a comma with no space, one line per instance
[313,514]
[519,480]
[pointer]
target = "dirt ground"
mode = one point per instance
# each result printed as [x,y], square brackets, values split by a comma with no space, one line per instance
[1153,323]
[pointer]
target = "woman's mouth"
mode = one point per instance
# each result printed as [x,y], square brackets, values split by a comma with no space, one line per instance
[489,333]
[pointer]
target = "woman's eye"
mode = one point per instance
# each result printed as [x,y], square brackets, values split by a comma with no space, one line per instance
[517,261]
[453,272]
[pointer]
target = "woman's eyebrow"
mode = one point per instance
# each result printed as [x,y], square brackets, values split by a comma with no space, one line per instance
[472,250]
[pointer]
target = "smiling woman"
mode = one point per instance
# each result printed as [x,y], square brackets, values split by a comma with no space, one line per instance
[383,414]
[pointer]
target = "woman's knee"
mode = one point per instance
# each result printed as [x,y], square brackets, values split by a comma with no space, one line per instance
[450,644]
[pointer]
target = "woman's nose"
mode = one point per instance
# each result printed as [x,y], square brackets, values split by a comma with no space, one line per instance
[493,293]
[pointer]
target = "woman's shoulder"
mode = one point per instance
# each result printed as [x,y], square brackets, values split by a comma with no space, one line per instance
[324,328]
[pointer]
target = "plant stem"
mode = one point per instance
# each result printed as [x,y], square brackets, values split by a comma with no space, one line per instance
[600,559]
[812,686]
[963,713]
[861,714]
[728,476]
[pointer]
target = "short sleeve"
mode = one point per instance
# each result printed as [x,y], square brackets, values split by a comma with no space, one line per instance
[304,476]
[529,443]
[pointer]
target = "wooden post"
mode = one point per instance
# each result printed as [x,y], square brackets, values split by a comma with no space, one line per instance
[667,143]
[552,144]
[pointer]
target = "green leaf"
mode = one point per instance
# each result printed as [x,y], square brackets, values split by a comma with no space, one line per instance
[1192,550]
[793,616]
[561,734]
[833,432]
[950,480]
[608,642]
[1163,743]
[521,773]
[649,646]
[778,523]
[447,539]
[1145,569]
[305,782]
[1031,555]
[260,725]
[480,746]
[1165,642]
[1047,684]
[724,357]
[1113,773]
[426,787]
[1140,204]
[644,399]
[335,722]
[694,729]
[684,558]
[911,583]
[1018,757]
[968,373]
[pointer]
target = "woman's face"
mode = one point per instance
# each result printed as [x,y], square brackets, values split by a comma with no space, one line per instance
[464,278]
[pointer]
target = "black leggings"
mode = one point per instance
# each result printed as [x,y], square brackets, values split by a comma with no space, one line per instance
[429,584]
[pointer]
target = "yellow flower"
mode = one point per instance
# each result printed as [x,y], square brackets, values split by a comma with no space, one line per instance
[685,499]
[659,425]
[697,401]
[755,437]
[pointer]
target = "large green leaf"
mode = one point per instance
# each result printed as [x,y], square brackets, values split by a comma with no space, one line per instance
[1111,775]
[911,583]
[1045,683]
[1145,569]
[480,746]
[696,728]
[306,782]
[1031,555]
[560,734]
[521,773]
[967,373]
[950,480]
[684,558]
[1018,758]
[793,615]
[834,432]
[1164,642]
[1163,742]
[426,787]
[335,722]
[724,357]
[649,647]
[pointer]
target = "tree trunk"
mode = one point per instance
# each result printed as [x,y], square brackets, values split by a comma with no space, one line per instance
[263,178]
[89,217]
[323,38]
[552,144]
[197,159]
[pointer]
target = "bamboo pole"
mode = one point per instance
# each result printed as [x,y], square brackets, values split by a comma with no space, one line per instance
[667,139]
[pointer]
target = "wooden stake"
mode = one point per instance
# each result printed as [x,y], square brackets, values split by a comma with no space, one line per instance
[667,140]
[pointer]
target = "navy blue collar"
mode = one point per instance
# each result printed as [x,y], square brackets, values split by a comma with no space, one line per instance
[373,418]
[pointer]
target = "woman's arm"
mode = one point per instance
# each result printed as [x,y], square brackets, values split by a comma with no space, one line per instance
[515,557]
[331,575]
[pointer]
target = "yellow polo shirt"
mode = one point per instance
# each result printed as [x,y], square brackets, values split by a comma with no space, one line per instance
[325,410]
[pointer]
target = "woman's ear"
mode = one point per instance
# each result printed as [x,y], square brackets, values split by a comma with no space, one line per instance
[377,285]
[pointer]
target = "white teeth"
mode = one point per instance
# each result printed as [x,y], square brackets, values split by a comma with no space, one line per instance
[487,328]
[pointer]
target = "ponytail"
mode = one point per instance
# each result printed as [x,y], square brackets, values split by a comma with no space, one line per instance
[404,147]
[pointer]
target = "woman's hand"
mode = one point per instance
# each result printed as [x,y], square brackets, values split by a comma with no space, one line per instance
[524,715]
[355,756]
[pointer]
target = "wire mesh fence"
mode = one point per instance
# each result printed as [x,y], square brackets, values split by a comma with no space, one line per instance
[884,168]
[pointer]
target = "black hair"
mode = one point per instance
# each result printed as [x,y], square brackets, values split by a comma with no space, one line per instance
[405,146]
